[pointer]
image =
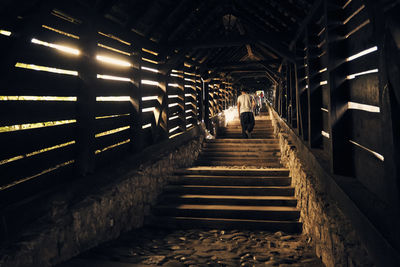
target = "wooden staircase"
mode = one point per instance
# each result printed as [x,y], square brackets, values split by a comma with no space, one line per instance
[216,194]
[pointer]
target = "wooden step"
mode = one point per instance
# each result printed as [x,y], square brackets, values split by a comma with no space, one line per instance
[233,180]
[228,200]
[231,190]
[171,222]
[279,213]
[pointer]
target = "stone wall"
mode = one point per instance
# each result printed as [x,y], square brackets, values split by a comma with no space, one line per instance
[332,233]
[100,213]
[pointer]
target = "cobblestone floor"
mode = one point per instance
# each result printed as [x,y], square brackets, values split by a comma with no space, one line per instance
[196,248]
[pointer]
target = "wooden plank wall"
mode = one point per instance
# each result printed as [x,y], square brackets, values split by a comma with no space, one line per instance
[331,95]
[79,92]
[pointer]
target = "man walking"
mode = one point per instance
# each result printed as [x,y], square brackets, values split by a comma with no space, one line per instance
[245,106]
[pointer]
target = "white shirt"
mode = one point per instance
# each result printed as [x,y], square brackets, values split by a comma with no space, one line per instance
[245,103]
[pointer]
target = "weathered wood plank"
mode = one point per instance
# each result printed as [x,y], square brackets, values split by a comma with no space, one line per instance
[27,141]
[21,112]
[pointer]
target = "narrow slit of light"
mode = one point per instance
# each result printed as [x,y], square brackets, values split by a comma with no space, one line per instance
[324,110]
[188,111]
[61,48]
[362,53]
[112,116]
[114,38]
[321,32]
[173,118]
[189,125]
[112,98]
[146,126]
[177,71]
[353,76]
[151,109]
[190,74]
[113,78]
[61,32]
[149,51]
[24,180]
[176,75]
[189,86]
[356,29]
[148,98]
[189,117]
[354,14]
[364,107]
[325,134]
[113,49]
[38,98]
[323,70]
[46,69]
[150,69]
[173,85]
[173,96]
[149,82]
[376,154]
[113,131]
[113,61]
[112,146]
[323,83]
[346,4]
[36,152]
[149,60]
[189,95]
[6,33]
[173,105]
[18,127]
[174,129]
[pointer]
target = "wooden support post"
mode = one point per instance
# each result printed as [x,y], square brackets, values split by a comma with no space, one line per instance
[136,100]
[206,105]
[86,101]
[314,93]
[161,114]
[340,152]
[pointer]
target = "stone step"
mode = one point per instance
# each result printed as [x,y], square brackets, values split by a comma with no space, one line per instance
[228,200]
[240,136]
[233,180]
[218,223]
[239,128]
[275,213]
[238,163]
[231,190]
[257,154]
[242,149]
[252,141]
[233,172]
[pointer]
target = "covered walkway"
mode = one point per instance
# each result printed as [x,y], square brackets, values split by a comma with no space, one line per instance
[119,114]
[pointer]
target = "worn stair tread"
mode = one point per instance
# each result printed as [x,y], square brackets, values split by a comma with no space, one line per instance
[236,197]
[231,186]
[228,207]
[289,226]
[265,177]
[228,171]
[249,141]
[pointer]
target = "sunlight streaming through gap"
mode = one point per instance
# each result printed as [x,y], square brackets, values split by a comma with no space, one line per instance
[61,48]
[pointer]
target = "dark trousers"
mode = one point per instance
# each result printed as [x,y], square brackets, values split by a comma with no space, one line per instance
[247,122]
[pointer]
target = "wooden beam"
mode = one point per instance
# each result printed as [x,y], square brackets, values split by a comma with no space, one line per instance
[234,64]
[306,21]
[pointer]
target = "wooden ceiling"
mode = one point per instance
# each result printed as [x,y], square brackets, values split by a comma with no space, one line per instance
[243,40]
